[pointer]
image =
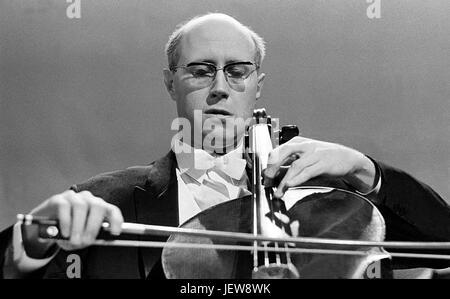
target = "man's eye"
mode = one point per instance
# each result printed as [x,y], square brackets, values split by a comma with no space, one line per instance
[200,71]
[236,71]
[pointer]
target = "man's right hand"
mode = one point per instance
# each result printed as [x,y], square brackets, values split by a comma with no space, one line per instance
[80,217]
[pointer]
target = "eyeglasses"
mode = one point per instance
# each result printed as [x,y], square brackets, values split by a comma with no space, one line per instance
[202,74]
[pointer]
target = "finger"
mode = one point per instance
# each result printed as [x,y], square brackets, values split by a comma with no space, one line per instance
[57,206]
[290,159]
[307,172]
[273,182]
[79,213]
[299,165]
[295,145]
[115,219]
[286,153]
[65,244]
[296,168]
[95,217]
[64,214]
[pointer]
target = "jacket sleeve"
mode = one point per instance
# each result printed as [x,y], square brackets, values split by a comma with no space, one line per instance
[413,212]
[415,204]
[57,268]
[5,242]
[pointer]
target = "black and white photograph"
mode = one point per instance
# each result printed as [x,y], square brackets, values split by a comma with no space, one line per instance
[224,145]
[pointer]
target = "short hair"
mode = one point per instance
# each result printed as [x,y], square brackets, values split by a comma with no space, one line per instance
[171,48]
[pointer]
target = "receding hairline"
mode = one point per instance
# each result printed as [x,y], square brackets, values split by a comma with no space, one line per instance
[172,46]
[211,17]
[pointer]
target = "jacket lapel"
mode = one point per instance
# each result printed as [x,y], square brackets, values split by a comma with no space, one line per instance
[157,203]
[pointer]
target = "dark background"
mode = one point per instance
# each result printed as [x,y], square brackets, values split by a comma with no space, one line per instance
[84,96]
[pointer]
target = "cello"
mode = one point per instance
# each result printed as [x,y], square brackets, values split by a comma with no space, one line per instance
[312,232]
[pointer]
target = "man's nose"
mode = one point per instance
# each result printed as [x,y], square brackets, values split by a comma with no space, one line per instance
[220,87]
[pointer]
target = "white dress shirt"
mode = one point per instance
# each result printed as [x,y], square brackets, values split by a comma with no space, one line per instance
[201,186]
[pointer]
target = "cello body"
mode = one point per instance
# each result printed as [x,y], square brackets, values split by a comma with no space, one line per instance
[319,212]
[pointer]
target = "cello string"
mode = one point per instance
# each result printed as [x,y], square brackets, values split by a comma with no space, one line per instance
[288,254]
[255,202]
[156,244]
[272,219]
[266,255]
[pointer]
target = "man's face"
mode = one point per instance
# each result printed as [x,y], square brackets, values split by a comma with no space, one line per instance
[217,42]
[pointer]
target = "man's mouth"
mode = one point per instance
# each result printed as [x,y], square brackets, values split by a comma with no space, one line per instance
[218,112]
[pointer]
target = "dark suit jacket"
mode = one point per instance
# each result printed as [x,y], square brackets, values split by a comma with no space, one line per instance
[149,195]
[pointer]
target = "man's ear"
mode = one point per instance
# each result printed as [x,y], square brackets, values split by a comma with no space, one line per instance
[260,85]
[168,81]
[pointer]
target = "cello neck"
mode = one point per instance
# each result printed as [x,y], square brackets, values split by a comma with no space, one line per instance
[260,145]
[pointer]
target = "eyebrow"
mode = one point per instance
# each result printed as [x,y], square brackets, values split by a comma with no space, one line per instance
[213,62]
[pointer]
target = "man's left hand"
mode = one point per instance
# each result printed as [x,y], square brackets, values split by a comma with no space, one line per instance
[309,158]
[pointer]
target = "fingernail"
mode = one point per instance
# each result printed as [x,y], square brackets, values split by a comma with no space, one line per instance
[268,173]
[115,231]
[278,193]
[65,234]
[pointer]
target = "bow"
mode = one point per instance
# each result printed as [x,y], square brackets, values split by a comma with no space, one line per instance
[231,166]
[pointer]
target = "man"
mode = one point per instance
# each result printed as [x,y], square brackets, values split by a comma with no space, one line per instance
[214,68]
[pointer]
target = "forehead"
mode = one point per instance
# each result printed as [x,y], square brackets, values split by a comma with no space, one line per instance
[216,41]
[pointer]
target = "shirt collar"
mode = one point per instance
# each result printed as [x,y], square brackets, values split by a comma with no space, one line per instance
[186,155]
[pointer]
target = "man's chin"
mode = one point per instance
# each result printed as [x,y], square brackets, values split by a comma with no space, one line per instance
[214,142]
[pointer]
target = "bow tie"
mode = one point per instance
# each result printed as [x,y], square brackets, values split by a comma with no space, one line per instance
[231,166]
